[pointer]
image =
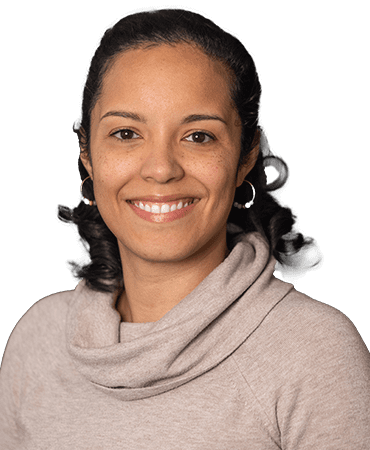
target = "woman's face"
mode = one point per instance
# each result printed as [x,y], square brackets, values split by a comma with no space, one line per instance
[165,144]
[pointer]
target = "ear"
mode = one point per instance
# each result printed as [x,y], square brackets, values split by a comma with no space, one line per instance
[250,160]
[86,161]
[84,154]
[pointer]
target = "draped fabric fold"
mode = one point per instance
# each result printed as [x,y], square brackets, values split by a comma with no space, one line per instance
[141,360]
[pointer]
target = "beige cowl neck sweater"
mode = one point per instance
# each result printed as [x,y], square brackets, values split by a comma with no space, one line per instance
[244,362]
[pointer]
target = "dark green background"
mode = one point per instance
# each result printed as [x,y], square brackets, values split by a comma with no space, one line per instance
[312,57]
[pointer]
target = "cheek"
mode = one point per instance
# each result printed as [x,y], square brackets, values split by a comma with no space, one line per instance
[220,175]
[110,175]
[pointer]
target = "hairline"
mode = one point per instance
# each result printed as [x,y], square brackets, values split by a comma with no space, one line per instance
[149,44]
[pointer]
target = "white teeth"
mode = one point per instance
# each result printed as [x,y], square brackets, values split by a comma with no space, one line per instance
[165,208]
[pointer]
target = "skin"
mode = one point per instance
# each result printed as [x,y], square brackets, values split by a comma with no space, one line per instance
[159,154]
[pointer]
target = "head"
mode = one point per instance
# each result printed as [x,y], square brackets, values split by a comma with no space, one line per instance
[177,28]
[166,67]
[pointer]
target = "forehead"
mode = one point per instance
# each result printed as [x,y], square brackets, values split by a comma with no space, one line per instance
[168,74]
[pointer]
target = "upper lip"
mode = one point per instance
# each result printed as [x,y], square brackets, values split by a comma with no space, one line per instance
[162,198]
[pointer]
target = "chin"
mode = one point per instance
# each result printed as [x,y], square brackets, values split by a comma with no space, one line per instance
[162,250]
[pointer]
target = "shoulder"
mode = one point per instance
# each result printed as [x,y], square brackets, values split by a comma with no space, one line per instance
[323,338]
[35,349]
[43,323]
[299,315]
[303,343]
[50,304]
[316,328]
[50,309]
[310,371]
[303,333]
[306,352]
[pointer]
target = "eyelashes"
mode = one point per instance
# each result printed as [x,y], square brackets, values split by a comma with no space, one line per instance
[197,137]
[200,137]
[125,135]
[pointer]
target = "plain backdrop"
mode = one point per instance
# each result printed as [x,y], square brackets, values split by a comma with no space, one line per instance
[313,62]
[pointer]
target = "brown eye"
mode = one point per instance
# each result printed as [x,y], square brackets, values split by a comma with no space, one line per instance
[199,137]
[126,134]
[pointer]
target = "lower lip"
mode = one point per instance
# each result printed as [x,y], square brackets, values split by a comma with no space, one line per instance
[162,218]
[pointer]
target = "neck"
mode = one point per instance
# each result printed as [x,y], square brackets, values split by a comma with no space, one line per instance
[154,288]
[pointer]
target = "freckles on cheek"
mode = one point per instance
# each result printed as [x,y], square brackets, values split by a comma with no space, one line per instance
[217,173]
[216,181]
[208,174]
[113,173]
[105,179]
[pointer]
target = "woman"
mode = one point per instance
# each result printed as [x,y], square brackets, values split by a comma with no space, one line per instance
[178,335]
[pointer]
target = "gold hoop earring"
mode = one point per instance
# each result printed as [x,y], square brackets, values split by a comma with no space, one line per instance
[86,200]
[251,202]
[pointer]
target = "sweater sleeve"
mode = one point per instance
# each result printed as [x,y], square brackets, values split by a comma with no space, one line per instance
[326,404]
[25,359]
[328,407]
[10,393]
[309,370]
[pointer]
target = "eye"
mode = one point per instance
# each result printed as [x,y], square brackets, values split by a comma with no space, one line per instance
[199,137]
[125,135]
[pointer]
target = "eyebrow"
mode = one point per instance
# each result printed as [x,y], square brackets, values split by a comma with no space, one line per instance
[188,119]
[200,117]
[125,115]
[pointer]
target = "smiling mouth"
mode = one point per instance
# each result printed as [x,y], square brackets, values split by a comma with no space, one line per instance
[163,207]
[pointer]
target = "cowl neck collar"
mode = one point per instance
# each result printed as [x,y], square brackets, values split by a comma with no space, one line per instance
[134,361]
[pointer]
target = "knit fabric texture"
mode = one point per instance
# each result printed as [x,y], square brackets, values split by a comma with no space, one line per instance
[243,362]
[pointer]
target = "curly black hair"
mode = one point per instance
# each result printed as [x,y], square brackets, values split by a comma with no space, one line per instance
[267,216]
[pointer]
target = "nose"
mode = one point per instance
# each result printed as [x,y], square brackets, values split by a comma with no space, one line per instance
[161,163]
